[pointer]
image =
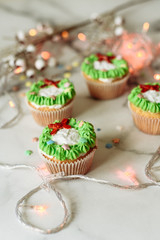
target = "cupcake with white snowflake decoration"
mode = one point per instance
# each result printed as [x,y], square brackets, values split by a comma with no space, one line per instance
[144,103]
[68,146]
[50,100]
[106,75]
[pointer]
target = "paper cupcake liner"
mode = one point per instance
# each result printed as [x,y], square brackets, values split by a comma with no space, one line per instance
[80,166]
[146,124]
[107,90]
[44,118]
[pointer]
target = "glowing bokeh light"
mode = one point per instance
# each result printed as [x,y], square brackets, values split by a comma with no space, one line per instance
[32,32]
[11,104]
[45,55]
[128,174]
[130,45]
[40,209]
[82,37]
[65,34]
[145,27]
[156,76]
[139,54]
[18,70]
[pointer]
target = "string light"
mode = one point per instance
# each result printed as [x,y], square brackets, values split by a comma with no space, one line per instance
[156,76]
[45,55]
[48,183]
[32,32]
[82,37]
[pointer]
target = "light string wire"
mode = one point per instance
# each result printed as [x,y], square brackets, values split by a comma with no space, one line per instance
[48,185]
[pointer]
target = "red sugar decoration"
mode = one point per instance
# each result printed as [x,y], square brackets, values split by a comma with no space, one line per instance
[58,126]
[48,82]
[146,88]
[102,57]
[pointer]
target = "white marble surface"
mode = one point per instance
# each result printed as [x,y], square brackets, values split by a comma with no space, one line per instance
[97,211]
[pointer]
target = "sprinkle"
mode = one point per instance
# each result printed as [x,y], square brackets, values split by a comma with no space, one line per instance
[28,84]
[35,139]
[67,75]
[67,84]
[28,152]
[50,142]
[81,124]
[65,147]
[60,66]
[53,97]
[119,128]
[75,64]
[116,140]
[98,129]
[22,77]
[68,68]
[32,93]
[83,140]
[108,145]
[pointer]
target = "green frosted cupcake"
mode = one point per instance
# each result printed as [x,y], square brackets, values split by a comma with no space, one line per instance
[144,103]
[50,100]
[106,75]
[68,146]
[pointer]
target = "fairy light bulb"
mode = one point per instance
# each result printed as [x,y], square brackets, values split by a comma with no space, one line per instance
[145,27]
[40,209]
[18,70]
[11,104]
[128,174]
[156,76]
[82,37]
[65,34]
[45,55]
[32,32]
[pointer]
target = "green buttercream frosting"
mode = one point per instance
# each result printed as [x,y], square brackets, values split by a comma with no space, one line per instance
[86,141]
[62,98]
[135,98]
[121,68]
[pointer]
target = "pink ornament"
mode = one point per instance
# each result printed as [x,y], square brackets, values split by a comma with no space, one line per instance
[65,147]
[137,49]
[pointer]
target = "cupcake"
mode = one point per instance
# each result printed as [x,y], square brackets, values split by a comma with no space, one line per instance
[106,75]
[144,103]
[68,146]
[50,100]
